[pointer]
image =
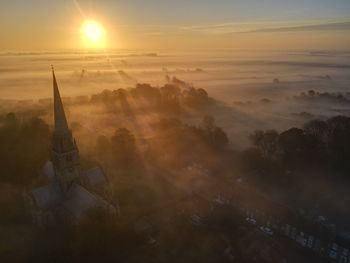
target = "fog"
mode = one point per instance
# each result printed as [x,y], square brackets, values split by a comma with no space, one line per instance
[255,88]
[173,147]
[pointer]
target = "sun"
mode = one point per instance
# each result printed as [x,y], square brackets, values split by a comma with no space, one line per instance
[93,34]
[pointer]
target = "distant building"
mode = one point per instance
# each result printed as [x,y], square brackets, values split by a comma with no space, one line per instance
[70,192]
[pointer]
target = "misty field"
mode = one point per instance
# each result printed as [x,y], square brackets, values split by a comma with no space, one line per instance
[257,89]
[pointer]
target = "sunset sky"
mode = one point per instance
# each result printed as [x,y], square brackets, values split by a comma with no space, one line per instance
[180,24]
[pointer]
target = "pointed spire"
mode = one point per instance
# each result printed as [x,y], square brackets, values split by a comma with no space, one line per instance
[61,125]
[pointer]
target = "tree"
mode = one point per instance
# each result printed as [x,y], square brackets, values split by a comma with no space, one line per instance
[170,97]
[266,142]
[315,139]
[214,135]
[25,143]
[123,145]
[147,92]
[195,98]
[208,124]
[120,94]
[291,140]
[311,93]
[316,128]
[203,94]
[170,92]
[339,142]
[220,138]
[100,237]
[291,143]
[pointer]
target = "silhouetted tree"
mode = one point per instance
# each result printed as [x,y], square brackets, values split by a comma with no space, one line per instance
[148,93]
[316,128]
[214,135]
[123,145]
[291,143]
[24,148]
[339,142]
[100,237]
[220,138]
[195,98]
[171,98]
[266,142]
[208,124]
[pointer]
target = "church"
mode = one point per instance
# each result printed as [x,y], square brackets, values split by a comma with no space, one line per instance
[69,193]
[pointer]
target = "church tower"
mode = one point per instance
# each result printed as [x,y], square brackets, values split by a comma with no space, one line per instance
[65,153]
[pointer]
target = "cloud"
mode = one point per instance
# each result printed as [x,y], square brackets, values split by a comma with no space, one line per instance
[266,27]
[263,26]
[222,28]
[317,27]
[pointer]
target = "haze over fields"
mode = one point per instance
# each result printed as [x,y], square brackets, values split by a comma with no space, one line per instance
[175,131]
[256,87]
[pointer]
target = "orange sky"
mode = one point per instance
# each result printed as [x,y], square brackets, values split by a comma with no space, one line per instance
[192,24]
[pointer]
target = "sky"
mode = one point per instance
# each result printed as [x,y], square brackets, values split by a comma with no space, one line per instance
[180,24]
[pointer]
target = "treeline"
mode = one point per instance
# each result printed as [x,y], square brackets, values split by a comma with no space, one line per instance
[174,97]
[182,144]
[318,145]
[170,97]
[120,150]
[177,140]
[314,96]
[24,148]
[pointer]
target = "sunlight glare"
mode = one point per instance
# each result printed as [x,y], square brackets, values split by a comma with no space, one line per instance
[93,34]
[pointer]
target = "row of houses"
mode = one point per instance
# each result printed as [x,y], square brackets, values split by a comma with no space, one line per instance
[312,234]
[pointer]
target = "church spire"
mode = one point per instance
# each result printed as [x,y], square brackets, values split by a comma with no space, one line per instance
[61,125]
[65,153]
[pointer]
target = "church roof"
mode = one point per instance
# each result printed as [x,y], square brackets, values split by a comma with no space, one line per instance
[79,200]
[61,125]
[48,170]
[47,196]
[76,201]
[95,176]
